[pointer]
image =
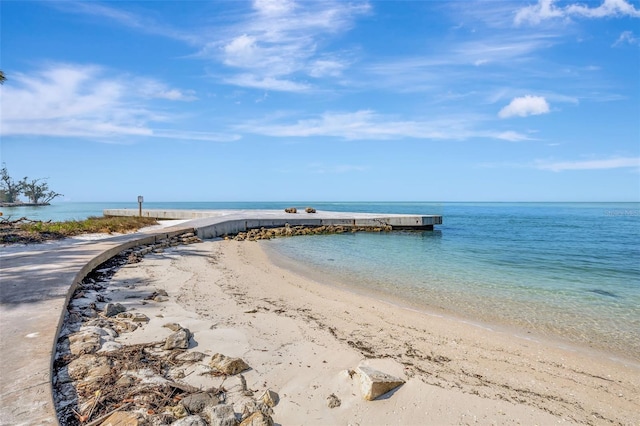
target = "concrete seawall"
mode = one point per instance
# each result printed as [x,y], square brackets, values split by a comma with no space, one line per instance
[216,223]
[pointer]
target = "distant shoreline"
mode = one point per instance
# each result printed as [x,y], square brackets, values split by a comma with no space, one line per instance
[20,204]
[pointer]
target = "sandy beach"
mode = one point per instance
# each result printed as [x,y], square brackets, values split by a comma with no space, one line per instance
[301,337]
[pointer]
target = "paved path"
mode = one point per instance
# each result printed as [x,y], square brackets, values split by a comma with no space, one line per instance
[35,283]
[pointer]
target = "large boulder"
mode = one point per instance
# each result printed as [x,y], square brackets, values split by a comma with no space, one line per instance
[374,383]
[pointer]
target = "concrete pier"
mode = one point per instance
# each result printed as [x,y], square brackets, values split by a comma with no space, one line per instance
[215,223]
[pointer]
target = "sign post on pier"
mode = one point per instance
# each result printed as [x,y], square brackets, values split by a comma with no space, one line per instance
[140,201]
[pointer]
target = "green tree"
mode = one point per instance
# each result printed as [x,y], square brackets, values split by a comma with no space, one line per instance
[10,188]
[37,190]
[2,77]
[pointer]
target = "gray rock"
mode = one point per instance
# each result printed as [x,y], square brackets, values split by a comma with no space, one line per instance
[113,309]
[228,365]
[194,420]
[196,402]
[374,383]
[193,356]
[221,415]
[178,340]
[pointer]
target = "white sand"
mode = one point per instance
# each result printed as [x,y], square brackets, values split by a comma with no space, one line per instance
[300,337]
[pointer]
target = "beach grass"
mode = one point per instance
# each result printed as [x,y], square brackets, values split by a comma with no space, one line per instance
[27,231]
[94,224]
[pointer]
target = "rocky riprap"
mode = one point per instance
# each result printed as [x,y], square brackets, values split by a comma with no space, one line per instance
[290,231]
[99,381]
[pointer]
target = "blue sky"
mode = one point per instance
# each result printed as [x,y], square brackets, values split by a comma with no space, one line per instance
[326,101]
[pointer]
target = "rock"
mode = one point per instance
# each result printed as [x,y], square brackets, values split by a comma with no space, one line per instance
[221,415]
[173,326]
[270,398]
[374,383]
[133,316]
[84,342]
[178,340]
[190,421]
[257,419]
[126,327]
[110,346]
[160,299]
[191,356]
[196,402]
[179,411]
[291,210]
[228,365]
[113,309]
[333,401]
[121,418]
[88,367]
[162,292]
[310,210]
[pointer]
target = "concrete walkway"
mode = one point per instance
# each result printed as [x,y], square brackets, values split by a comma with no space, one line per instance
[37,281]
[35,285]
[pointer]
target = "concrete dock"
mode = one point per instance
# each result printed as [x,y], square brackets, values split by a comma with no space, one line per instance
[37,282]
[216,223]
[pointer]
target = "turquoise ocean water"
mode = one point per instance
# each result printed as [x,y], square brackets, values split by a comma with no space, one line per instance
[565,270]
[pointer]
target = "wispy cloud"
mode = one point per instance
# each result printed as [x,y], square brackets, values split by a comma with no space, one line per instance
[82,101]
[367,124]
[627,37]
[277,45]
[125,18]
[546,9]
[525,106]
[598,164]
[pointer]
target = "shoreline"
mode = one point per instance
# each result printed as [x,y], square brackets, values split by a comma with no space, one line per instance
[301,337]
[397,301]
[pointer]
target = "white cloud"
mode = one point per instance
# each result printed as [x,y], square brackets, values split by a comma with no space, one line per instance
[367,124]
[81,101]
[267,83]
[326,67]
[608,8]
[154,89]
[280,42]
[546,9]
[524,106]
[138,22]
[627,37]
[601,164]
